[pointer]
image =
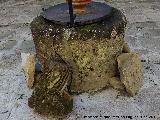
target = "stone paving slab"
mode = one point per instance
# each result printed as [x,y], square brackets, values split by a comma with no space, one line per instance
[142,35]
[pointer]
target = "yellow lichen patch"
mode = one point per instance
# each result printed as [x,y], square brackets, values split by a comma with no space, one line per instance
[113,33]
[56,77]
[83,61]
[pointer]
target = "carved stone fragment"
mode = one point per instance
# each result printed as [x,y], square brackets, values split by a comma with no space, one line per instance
[50,95]
[28,66]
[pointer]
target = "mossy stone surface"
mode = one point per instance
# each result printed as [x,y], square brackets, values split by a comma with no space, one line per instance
[90,50]
[50,95]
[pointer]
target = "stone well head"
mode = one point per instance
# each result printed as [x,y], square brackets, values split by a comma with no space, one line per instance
[77,44]
[89,46]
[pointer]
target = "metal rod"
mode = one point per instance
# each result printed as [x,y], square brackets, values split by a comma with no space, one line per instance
[72,17]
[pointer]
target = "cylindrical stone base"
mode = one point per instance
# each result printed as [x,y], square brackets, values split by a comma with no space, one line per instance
[90,51]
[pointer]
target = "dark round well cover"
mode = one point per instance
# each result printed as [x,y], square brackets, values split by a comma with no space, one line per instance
[95,11]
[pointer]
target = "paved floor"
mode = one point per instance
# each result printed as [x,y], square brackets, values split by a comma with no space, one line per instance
[142,35]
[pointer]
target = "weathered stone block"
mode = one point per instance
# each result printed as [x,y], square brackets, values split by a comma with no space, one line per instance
[7,45]
[90,50]
[28,66]
[50,95]
[129,65]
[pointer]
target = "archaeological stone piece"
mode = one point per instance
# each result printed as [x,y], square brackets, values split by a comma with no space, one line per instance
[130,69]
[28,66]
[50,95]
[90,51]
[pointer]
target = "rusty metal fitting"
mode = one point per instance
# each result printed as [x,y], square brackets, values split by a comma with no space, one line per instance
[79,5]
[77,12]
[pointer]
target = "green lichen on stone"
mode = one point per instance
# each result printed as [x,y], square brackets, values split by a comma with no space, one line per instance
[87,27]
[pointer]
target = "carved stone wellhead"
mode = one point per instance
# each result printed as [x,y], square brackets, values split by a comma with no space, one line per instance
[80,46]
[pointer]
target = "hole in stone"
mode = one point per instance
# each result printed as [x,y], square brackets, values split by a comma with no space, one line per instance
[91,69]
